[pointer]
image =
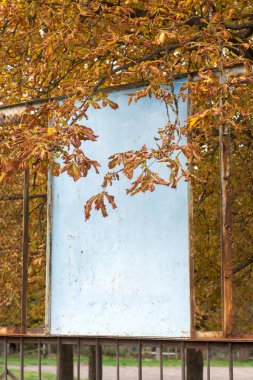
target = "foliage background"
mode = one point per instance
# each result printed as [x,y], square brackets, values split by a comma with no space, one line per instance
[52,48]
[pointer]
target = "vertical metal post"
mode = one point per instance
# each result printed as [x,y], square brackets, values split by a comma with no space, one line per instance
[99,365]
[117,359]
[226,233]
[65,365]
[25,251]
[5,360]
[161,361]
[208,362]
[183,361]
[21,359]
[78,359]
[58,372]
[139,360]
[39,359]
[231,374]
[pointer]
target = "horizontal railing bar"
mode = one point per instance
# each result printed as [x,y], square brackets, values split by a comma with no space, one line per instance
[128,342]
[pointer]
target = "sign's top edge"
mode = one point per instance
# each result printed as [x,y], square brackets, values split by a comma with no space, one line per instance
[104,89]
[236,69]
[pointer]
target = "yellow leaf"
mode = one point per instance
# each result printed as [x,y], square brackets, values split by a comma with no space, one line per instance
[216,17]
[231,12]
[161,38]
[193,121]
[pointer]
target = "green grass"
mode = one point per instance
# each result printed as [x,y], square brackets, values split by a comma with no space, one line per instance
[33,375]
[132,362]
[111,361]
[29,360]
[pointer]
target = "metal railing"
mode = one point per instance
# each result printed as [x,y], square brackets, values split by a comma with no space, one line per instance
[138,346]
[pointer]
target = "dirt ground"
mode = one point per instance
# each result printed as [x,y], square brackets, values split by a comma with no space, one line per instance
[152,373]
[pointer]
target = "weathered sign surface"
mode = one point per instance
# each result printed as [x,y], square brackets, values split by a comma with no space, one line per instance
[127,274]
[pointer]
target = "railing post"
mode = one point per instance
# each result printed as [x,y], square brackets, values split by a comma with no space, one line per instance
[65,361]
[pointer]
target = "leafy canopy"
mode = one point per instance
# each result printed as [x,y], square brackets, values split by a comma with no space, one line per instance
[63,47]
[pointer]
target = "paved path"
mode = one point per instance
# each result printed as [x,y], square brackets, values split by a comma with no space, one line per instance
[152,373]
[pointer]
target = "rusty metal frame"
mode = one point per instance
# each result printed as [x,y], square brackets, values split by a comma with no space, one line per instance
[195,334]
[25,250]
[50,223]
[226,234]
[226,245]
[190,225]
[49,252]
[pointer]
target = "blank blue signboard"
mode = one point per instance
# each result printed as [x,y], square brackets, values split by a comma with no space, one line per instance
[127,274]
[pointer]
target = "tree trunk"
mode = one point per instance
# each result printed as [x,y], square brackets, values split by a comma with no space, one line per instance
[66,366]
[93,365]
[194,364]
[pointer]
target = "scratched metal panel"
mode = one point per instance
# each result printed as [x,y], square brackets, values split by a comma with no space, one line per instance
[127,274]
